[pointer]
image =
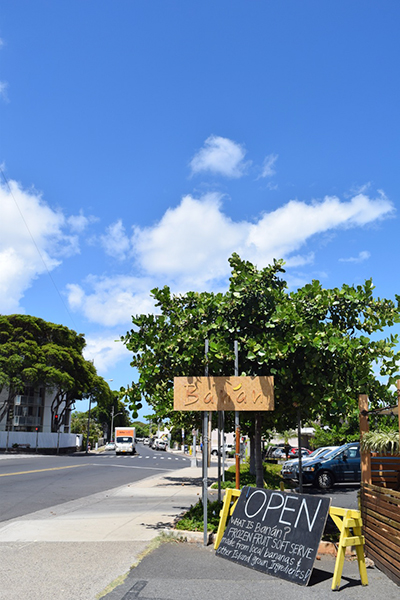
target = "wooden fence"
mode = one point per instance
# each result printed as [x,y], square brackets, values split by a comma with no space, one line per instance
[385,471]
[380,509]
[380,502]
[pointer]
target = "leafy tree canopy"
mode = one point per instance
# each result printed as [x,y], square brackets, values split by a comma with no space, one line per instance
[35,352]
[320,344]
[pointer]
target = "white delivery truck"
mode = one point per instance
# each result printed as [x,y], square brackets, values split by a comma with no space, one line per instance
[125,440]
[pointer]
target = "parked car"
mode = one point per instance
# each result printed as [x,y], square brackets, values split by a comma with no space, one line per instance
[160,444]
[146,441]
[339,466]
[271,449]
[228,449]
[109,446]
[290,469]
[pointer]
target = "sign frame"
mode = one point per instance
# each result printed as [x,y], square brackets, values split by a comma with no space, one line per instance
[224,393]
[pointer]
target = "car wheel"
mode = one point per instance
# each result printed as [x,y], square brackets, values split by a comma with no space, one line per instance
[325,480]
[214,452]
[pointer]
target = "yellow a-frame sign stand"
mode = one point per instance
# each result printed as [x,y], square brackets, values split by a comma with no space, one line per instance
[226,510]
[344,519]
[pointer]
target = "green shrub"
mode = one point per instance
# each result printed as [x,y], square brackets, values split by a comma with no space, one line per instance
[193,519]
[272,477]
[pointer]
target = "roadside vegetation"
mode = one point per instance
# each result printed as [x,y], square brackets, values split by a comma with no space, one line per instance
[271,476]
[192,520]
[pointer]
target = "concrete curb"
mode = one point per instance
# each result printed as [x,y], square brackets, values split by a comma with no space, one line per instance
[191,537]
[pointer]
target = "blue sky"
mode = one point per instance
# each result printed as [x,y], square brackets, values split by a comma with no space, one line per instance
[145,141]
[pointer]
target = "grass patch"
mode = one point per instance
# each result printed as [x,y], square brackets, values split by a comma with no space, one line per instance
[193,519]
[272,477]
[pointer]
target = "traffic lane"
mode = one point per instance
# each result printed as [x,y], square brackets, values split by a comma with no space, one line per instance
[33,484]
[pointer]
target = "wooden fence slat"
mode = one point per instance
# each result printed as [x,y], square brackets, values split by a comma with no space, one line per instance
[381,544]
[392,545]
[385,566]
[390,500]
[388,521]
[381,509]
[373,525]
[381,504]
[369,521]
[376,488]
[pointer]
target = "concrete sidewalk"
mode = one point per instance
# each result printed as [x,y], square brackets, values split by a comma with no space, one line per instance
[74,550]
[177,571]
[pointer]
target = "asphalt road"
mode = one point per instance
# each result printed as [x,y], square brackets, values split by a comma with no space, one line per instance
[34,482]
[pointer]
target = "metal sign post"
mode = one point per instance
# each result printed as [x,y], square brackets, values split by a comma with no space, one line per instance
[237,423]
[196,393]
[205,456]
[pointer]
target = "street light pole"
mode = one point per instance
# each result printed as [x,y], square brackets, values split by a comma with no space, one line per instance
[112,423]
[88,426]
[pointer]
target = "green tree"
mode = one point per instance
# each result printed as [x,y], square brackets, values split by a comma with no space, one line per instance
[35,352]
[142,429]
[79,423]
[320,345]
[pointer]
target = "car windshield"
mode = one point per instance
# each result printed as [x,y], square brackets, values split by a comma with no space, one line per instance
[333,453]
[124,440]
[317,452]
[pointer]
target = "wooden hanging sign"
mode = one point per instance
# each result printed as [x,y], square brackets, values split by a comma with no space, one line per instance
[224,393]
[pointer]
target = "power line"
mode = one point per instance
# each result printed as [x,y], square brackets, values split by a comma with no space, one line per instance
[37,248]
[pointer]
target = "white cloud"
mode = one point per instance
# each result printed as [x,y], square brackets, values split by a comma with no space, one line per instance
[111,300]
[192,240]
[363,255]
[300,261]
[105,351]
[286,229]
[188,249]
[32,241]
[115,242]
[268,169]
[220,156]
[4,90]
[78,223]
[196,238]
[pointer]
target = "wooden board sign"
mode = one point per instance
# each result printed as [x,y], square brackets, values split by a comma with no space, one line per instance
[275,532]
[224,393]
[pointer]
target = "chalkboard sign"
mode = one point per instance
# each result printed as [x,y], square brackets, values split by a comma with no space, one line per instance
[275,532]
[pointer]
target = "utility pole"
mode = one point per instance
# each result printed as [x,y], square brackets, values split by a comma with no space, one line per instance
[205,456]
[237,423]
[112,423]
[88,426]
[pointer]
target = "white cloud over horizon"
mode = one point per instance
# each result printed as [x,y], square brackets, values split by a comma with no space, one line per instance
[362,256]
[189,248]
[220,156]
[105,351]
[268,167]
[112,300]
[34,240]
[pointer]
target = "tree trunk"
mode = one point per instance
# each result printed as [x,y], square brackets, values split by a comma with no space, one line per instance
[252,467]
[258,454]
